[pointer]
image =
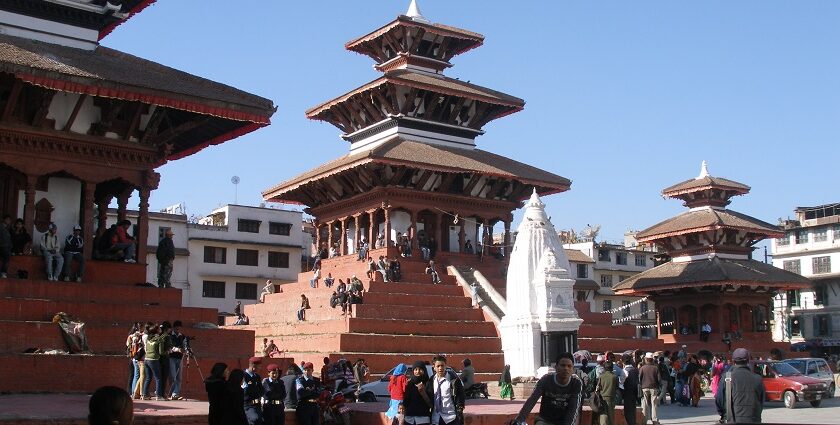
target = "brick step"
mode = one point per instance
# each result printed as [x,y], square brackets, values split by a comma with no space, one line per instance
[285,313]
[112,272]
[89,292]
[86,373]
[403,287]
[382,343]
[107,339]
[380,363]
[321,297]
[28,309]
[606,331]
[375,326]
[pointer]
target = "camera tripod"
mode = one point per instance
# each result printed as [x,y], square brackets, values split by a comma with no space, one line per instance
[190,357]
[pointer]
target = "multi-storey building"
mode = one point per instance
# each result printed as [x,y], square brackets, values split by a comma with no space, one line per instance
[610,264]
[229,254]
[810,247]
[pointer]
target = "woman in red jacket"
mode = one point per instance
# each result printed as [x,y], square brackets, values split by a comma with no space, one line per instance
[396,387]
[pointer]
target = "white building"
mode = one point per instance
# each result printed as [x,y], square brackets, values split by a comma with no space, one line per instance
[811,247]
[612,263]
[228,255]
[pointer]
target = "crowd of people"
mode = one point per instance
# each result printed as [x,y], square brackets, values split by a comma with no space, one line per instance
[60,253]
[157,351]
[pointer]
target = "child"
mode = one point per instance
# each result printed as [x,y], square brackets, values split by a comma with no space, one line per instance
[399,419]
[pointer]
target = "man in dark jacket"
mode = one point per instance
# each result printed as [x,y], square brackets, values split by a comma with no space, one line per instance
[631,389]
[74,246]
[559,394]
[650,379]
[253,392]
[447,395]
[308,389]
[274,392]
[290,385]
[165,256]
[745,401]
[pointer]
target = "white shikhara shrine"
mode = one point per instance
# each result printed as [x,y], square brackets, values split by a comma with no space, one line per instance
[540,300]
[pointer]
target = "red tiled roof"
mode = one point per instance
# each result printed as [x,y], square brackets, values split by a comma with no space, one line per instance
[440,158]
[714,271]
[110,73]
[707,219]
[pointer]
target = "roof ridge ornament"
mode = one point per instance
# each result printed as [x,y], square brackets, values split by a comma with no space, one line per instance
[704,170]
[414,13]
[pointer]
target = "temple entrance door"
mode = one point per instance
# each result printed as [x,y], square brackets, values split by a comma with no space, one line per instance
[10,183]
[454,231]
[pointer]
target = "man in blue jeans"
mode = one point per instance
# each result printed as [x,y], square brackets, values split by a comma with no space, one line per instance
[51,248]
[180,347]
[74,250]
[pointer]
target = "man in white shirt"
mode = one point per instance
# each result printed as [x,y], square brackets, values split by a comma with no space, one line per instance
[447,395]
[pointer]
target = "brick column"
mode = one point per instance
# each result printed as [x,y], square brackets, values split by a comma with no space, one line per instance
[440,226]
[29,205]
[143,225]
[507,237]
[371,232]
[413,232]
[330,227]
[357,231]
[87,218]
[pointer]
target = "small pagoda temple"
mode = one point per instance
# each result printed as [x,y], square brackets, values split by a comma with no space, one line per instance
[708,275]
[413,167]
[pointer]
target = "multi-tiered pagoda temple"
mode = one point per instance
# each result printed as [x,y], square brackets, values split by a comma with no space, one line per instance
[710,276]
[413,165]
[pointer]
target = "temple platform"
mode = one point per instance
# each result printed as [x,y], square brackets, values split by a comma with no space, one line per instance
[71,409]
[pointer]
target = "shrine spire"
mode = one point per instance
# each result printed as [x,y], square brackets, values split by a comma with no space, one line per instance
[414,13]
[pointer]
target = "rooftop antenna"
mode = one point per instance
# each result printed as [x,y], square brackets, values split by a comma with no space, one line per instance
[235,181]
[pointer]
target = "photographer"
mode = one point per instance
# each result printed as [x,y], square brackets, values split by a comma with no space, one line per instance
[180,346]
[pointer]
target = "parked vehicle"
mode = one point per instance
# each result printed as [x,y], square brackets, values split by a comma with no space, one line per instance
[378,390]
[817,368]
[333,408]
[477,390]
[782,382]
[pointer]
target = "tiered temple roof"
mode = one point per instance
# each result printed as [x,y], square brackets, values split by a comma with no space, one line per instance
[709,245]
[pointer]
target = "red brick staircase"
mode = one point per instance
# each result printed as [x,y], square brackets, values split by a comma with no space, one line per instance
[108,302]
[398,322]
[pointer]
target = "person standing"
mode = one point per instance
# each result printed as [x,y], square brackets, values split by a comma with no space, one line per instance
[705,330]
[740,395]
[308,388]
[607,386]
[467,374]
[234,411]
[180,347]
[290,385]
[630,395]
[166,257]
[153,348]
[74,246]
[274,413]
[215,386]
[650,380]
[253,392]
[5,245]
[51,248]
[396,389]
[559,393]
[360,375]
[416,400]
[447,395]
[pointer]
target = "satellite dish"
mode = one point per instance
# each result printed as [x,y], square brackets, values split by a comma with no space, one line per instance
[235,181]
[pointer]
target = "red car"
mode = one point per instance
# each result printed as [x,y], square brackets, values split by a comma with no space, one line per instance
[782,382]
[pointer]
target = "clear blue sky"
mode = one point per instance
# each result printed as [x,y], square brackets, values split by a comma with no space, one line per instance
[623,97]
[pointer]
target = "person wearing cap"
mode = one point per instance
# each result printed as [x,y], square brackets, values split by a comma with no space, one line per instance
[650,381]
[274,392]
[308,388]
[165,256]
[51,247]
[74,250]
[740,396]
[253,392]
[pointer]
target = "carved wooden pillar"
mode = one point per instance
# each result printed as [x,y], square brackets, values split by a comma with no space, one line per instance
[122,203]
[143,225]
[87,218]
[440,227]
[506,247]
[371,233]
[29,204]
[102,215]
[342,247]
[330,228]
[357,231]
[387,227]
[461,237]
[412,232]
